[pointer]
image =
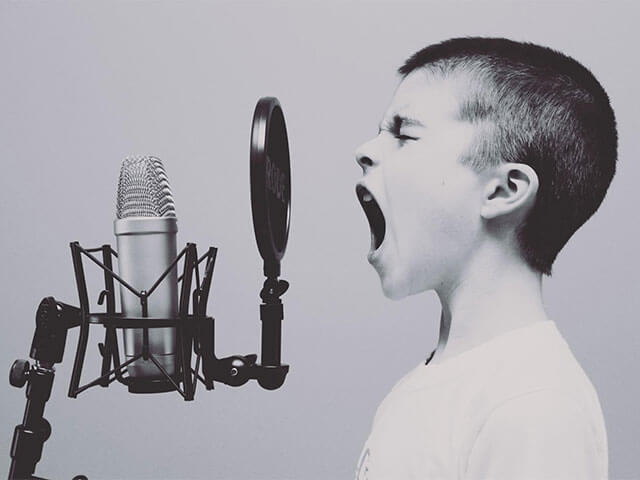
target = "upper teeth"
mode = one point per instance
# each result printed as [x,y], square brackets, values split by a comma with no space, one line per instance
[367,197]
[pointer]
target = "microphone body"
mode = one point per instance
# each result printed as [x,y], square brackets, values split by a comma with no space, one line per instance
[145,229]
[146,248]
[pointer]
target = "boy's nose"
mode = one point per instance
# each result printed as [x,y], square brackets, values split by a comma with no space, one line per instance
[365,159]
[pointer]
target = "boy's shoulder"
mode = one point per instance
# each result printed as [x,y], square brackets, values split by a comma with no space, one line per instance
[532,358]
[526,359]
[523,384]
[527,363]
[535,358]
[529,381]
[533,388]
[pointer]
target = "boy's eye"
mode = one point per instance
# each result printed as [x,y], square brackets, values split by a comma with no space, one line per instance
[404,137]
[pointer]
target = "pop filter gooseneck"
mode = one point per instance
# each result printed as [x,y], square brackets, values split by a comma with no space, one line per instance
[270,183]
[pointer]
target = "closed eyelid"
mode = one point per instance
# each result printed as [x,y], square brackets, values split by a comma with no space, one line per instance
[398,135]
[397,122]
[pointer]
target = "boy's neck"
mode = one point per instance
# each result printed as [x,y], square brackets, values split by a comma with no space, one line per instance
[494,296]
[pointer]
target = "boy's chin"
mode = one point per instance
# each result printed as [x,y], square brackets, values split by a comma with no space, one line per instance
[397,288]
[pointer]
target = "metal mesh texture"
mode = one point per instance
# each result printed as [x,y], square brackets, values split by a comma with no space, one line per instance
[143,189]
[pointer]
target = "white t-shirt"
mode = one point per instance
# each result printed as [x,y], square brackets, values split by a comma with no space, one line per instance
[516,407]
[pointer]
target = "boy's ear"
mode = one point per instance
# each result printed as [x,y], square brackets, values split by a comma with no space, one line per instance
[511,189]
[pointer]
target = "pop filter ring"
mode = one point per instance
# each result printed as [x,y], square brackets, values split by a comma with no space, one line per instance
[270,173]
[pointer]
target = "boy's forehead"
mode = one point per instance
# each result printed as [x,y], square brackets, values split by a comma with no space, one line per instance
[426,98]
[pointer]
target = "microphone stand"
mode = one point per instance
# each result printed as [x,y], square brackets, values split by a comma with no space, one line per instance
[53,320]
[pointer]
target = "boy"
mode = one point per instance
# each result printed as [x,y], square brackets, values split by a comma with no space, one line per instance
[490,156]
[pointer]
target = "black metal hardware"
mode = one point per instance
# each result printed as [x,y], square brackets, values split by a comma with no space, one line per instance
[195,335]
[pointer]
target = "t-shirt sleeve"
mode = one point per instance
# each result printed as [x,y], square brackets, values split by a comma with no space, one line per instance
[538,435]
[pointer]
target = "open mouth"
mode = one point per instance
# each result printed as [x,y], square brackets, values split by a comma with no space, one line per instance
[374,216]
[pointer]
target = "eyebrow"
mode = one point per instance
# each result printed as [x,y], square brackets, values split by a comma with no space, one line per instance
[398,121]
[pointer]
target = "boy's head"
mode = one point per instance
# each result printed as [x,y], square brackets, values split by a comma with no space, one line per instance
[485,141]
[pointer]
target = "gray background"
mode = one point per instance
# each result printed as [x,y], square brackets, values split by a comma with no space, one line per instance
[85,84]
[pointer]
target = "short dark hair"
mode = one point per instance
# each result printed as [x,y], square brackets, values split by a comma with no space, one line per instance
[542,108]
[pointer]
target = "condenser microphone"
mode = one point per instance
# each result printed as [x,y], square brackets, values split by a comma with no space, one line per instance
[145,230]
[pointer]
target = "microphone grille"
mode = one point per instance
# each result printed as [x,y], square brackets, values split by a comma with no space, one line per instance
[143,189]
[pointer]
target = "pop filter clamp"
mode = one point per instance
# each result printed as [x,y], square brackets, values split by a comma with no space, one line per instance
[270,201]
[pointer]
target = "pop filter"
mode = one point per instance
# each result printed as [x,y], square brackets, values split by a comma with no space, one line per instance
[270,183]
